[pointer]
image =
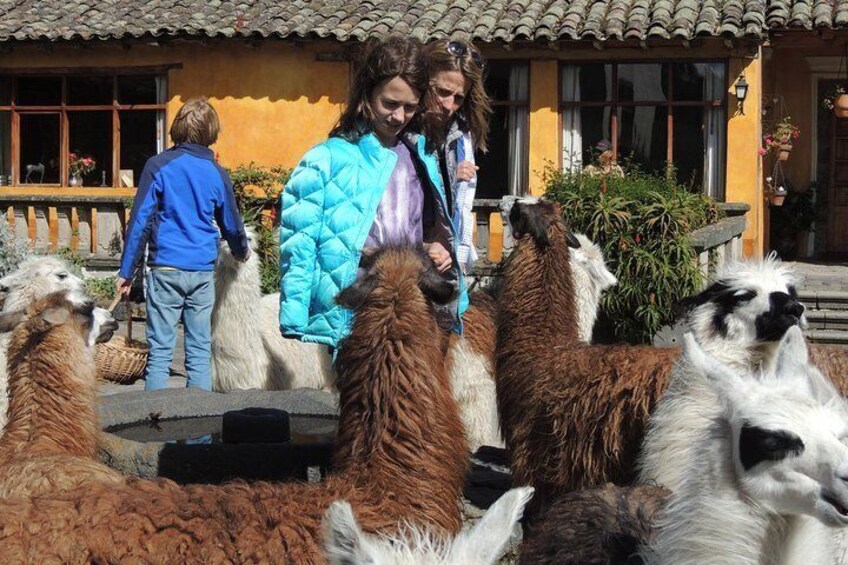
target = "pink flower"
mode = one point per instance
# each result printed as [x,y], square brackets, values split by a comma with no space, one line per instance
[762,151]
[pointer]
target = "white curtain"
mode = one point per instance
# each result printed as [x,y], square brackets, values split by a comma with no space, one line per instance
[714,123]
[161,98]
[519,86]
[572,130]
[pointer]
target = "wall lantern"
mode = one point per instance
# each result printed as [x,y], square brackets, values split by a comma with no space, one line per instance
[741,92]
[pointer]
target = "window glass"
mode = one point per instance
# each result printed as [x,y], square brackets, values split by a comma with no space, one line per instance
[39,91]
[5,147]
[5,91]
[688,149]
[643,82]
[137,90]
[90,91]
[586,133]
[587,83]
[39,149]
[698,81]
[90,135]
[138,143]
[503,170]
[643,137]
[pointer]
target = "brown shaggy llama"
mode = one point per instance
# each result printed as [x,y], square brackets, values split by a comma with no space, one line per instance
[52,433]
[572,415]
[594,526]
[400,456]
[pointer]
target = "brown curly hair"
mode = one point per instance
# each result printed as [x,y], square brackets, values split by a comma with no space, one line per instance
[393,57]
[477,106]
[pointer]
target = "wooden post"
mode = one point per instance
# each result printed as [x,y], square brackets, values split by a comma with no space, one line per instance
[74,228]
[31,228]
[93,245]
[53,227]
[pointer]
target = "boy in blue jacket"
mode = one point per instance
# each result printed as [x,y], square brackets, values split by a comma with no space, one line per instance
[181,191]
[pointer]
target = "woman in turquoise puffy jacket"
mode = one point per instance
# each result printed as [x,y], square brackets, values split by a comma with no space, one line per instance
[370,184]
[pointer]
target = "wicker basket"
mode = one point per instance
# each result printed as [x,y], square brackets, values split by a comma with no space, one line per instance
[120,360]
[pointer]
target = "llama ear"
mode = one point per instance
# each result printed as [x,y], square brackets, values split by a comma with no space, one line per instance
[720,378]
[48,318]
[792,352]
[9,320]
[793,363]
[342,536]
[435,287]
[356,294]
[573,242]
[486,541]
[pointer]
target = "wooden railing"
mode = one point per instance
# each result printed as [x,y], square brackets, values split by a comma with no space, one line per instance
[89,221]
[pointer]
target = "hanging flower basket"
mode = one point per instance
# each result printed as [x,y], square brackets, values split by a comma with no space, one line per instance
[840,106]
[777,196]
[783,151]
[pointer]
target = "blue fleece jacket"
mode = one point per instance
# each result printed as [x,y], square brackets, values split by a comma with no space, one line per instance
[180,192]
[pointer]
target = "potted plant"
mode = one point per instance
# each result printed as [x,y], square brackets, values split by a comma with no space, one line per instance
[776,192]
[780,139]
[837,100]
[79,165]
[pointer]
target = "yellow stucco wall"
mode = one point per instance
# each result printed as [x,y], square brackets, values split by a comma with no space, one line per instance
[744,137]
[274,100]
[545,131]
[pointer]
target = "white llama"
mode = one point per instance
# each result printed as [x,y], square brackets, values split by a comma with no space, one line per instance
[35,278]
[767,474]
[247,348]
[591,278]
[481,544]
[739,320]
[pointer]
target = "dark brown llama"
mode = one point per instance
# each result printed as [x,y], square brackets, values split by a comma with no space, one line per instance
[52,434]
[401,456]
[572,415]
[594,526]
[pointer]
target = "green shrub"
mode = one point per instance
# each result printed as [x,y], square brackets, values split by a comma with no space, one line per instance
[257,191]
[100,289]
[12,249]
[642,222]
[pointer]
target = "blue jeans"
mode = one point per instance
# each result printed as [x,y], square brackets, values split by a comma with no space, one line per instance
[171,293]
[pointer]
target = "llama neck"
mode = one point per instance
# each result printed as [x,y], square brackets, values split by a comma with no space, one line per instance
[707,518]
[237,296]
[52,398]
[538,293]
[399,426]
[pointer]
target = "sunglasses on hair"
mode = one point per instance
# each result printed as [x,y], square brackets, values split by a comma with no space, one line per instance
[460,49]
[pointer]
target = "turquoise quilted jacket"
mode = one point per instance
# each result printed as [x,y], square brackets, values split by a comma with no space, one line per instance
[328,207]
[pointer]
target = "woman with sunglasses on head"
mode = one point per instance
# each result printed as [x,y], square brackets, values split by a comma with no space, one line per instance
[371,184]
[456,121]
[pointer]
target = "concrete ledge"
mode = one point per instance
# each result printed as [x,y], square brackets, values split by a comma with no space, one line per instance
[717,234]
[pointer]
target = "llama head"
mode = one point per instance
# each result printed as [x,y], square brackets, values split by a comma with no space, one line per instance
[35,278]
[482,544]
[589,257]
[535,217]
[750,302]
[389,268]
[68,307]
[786,431]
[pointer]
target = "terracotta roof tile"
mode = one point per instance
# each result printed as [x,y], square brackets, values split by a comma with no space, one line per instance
[481,20]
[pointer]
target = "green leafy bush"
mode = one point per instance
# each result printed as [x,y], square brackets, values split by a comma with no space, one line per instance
[642,222]
[12,249]
[257,191]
